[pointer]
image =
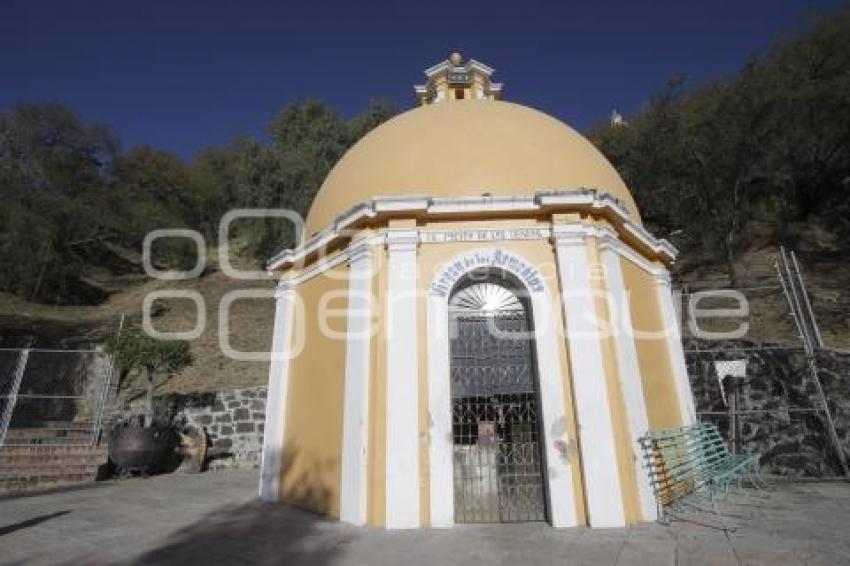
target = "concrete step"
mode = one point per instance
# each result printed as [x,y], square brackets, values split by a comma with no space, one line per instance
[25,482]
[28,467]
[48,470]
[57,441]
[9,462]
[47,433]
[38,449]
[68,425]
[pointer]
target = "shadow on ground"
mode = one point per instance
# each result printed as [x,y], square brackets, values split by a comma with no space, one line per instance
[253,533]
[30,522]
[263,533]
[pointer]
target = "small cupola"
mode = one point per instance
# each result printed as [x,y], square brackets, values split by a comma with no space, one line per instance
[458,79]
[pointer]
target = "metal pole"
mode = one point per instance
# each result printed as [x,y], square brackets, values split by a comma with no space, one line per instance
[732,396]
[786,292]
[839,450]
[106,384]
[796,306]
[12,399]
[796,309]
[807,302]
[105,381]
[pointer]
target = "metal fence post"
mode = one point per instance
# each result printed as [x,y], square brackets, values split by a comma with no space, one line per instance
[12,399]
[805,321]
[105,383]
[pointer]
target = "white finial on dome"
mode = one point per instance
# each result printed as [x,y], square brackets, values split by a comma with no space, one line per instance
[456,59]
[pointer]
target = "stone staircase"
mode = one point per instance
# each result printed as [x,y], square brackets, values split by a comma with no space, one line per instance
[54,454]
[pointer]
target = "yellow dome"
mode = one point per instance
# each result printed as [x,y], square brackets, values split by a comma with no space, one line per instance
[465,148]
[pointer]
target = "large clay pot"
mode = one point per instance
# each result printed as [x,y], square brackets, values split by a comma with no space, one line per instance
[145,450]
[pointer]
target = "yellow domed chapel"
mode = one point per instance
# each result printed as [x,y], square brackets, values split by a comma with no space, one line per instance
[475,327]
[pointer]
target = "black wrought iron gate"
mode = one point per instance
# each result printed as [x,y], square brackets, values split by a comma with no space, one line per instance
[497,462]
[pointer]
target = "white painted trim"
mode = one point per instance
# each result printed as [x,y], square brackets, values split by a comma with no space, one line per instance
[592,399]
[430,236]
[620,322]
[479,66]
[402,451]
[436,236]
[547,201]
[555,440]
[355,432]
[339,258]
[628,253]
[674,347]
[410,203]
[441,454]
[446,65]
[276,395]
[354,214]
[481,204]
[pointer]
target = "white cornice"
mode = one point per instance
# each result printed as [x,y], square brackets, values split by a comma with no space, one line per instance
[442,65]
[548,201]
[457,205]
[561,233]
[479,66]
[401,204]
[446,65]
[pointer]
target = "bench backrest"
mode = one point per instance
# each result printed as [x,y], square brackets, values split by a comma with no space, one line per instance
[681,460]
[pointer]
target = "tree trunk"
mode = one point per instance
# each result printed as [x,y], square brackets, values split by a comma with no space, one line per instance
[730,262]
[45,256]
[149,400]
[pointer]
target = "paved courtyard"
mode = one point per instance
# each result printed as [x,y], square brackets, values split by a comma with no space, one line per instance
[215,518]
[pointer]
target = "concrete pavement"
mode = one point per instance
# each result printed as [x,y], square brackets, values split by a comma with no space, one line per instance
[215,518]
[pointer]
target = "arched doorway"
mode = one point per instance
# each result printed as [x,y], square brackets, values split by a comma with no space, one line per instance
[497,457]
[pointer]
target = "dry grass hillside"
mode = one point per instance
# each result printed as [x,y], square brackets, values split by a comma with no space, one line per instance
[824,265]
[250,322]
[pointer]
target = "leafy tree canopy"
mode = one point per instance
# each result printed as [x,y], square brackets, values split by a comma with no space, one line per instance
[74,204]
[771,143]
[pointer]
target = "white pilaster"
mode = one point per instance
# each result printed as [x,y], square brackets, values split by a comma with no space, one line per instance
[596,431]
[356,405]
[674,347]
[629,373]
[440,445]
[276,393]
[402,497]
[556,441]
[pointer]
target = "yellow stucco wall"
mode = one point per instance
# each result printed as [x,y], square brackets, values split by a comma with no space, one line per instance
[659,386]
[314,407]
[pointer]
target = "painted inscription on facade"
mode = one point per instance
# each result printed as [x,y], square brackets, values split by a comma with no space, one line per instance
[482,235]
[452,272]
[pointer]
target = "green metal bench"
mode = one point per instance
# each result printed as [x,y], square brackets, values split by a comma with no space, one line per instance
[689,466]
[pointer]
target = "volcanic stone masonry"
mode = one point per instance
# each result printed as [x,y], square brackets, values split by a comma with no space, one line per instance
[775,402]
[233,418]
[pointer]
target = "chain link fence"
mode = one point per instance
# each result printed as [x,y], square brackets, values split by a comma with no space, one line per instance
[53,397]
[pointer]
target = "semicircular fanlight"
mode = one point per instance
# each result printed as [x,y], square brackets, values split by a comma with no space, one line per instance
[485,297]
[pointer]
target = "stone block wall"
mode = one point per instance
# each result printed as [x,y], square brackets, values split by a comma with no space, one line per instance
[234,422]
[776,403]
[233,418]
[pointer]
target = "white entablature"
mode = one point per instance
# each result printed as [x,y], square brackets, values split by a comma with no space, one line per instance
[542,202]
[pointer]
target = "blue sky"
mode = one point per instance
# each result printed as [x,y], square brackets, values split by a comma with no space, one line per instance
[181,76]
